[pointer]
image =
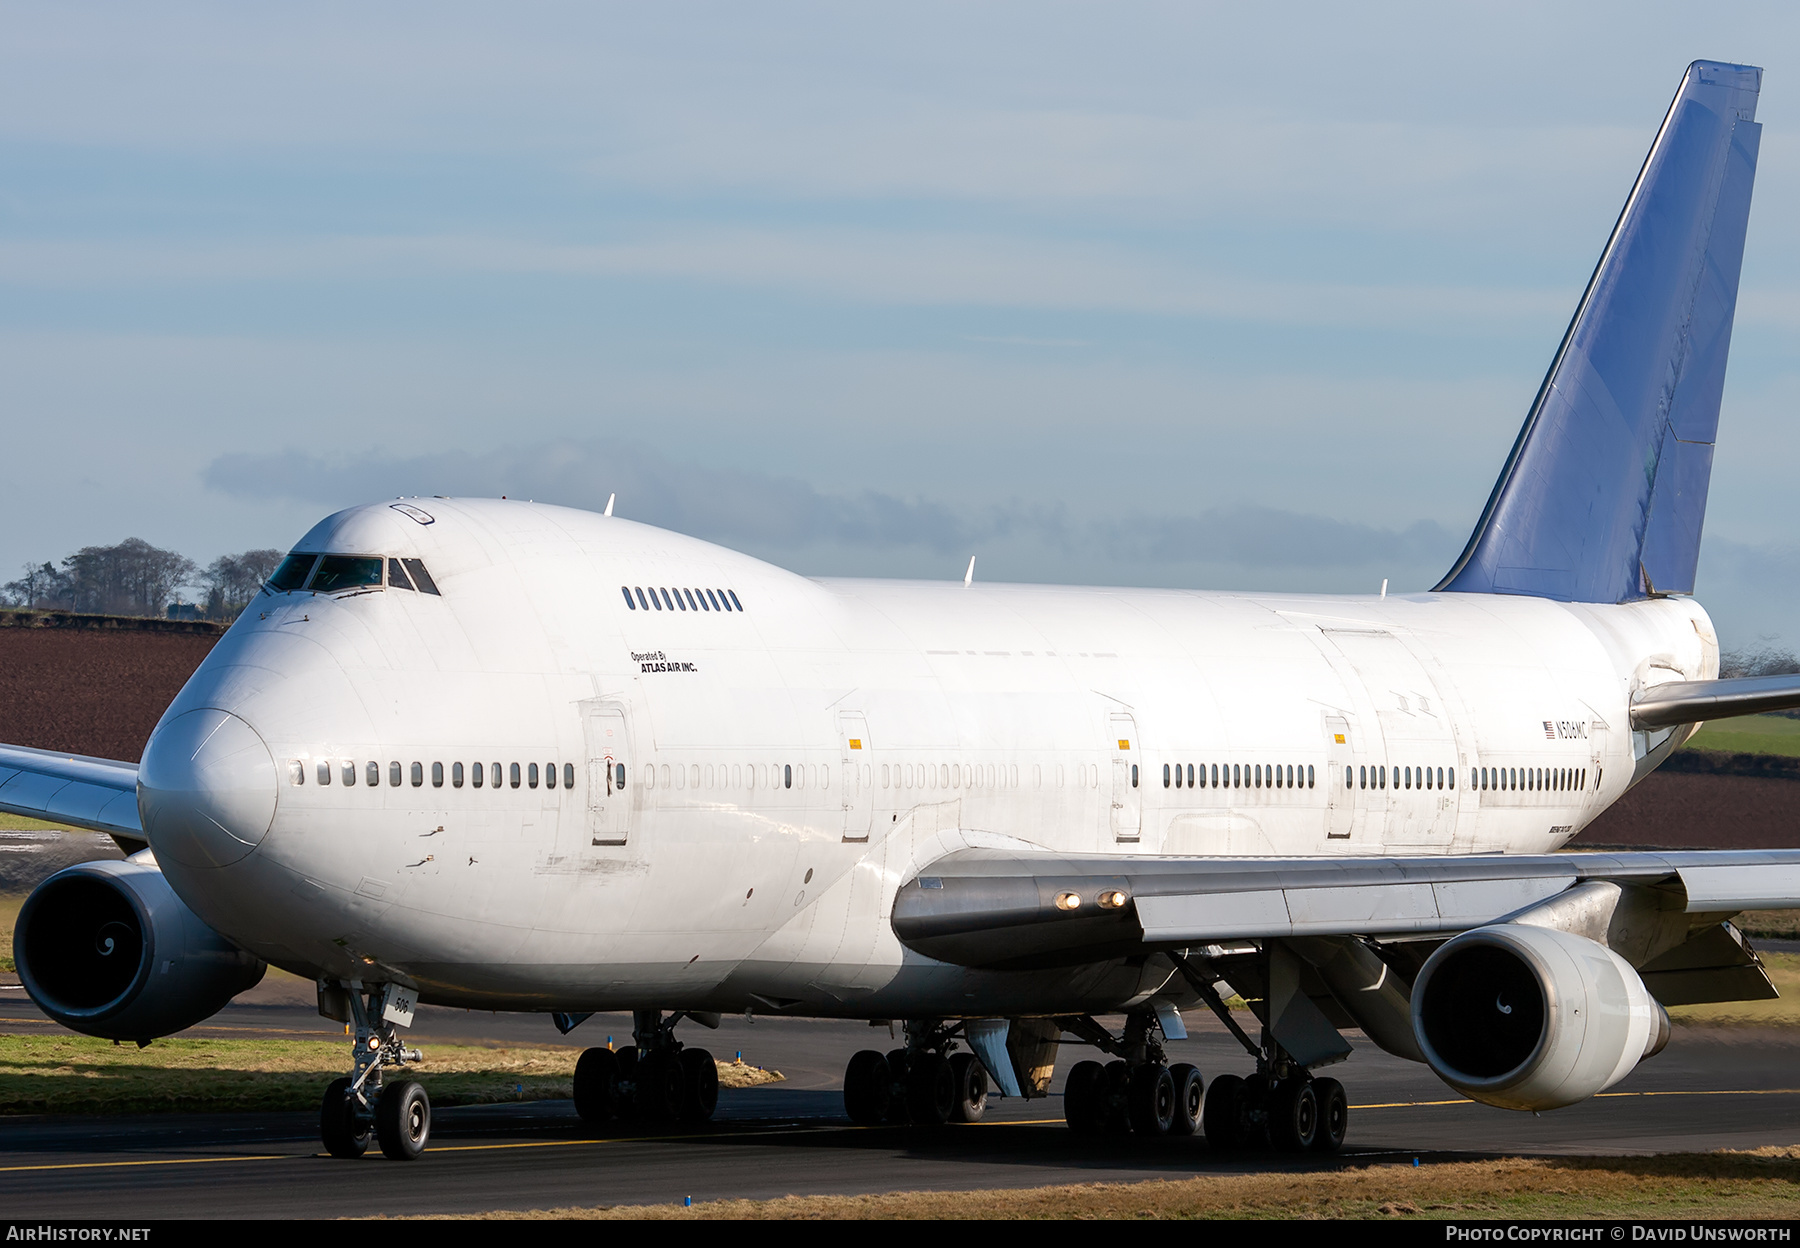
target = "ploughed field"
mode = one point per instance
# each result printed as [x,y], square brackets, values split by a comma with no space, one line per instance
[91,691]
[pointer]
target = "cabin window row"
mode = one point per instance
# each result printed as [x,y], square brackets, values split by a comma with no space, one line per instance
[1530,779]
[999,776]
[736,776]
[1376,777]
[656,598]
[1238,776]
[338,574]
[476,775]
[977,775]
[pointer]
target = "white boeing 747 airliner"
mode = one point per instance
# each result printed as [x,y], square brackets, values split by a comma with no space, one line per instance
[519,757]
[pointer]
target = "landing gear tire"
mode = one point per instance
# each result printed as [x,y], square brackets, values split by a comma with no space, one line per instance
[344,1132]
[1334,1115]
[1150,1099]
[930,1089]
[699,1086]
[1293,1115]
[1222,1114]
[403,1120]
[657,1094]
[596,1084]
[1081,1097]
[868,1088]
[1190,1094]
[898,1064]
[970,1079]
[625,1085]
[1115,1099]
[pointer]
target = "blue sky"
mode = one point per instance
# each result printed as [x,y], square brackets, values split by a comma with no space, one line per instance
[1142,294]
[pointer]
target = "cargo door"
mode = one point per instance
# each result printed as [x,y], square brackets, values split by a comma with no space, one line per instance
[1127,804]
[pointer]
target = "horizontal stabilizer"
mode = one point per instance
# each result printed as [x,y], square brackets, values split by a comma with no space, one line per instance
[1691,701]
[95,793]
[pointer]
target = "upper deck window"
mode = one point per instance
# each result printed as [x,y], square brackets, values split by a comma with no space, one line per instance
[291,575]
[338,573]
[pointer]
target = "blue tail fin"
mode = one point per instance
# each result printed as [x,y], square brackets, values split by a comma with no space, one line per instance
[1604,494]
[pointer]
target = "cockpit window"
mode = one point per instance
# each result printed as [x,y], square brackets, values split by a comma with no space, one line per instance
[291,575]
[337,573]
[397,578]
[420,576]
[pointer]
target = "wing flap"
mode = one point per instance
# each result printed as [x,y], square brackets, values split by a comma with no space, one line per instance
[1730,887]
[991,908]
[1717,965]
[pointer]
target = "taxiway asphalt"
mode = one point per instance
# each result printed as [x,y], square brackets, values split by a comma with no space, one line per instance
[1710,1089]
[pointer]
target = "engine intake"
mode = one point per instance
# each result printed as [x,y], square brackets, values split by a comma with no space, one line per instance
[1528,1017]
[108,949]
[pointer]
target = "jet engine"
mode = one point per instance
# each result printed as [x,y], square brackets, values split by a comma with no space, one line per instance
[1528,1017]
[108,949]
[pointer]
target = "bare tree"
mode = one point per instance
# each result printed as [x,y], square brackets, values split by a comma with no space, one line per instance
[132,578]
[43,586]
[231,581]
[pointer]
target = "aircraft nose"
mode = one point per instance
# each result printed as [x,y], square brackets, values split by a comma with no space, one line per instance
[206,789]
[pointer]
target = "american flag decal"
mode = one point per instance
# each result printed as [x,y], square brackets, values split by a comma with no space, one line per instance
[1549,730]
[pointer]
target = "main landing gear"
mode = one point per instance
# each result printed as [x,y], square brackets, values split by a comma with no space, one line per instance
[924,1083]
[365,1104]
[657,1080]
[1137,1092]
[1281,1106]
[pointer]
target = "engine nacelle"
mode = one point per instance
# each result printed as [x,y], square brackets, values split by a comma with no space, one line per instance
[1530,1017]
[108,949]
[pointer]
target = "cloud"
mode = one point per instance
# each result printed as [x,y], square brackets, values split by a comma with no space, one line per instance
[879,267]
[783,517]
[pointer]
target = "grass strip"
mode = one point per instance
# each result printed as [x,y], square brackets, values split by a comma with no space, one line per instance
[1749,734]
[9,915]
[62,1073]
[1763,1184]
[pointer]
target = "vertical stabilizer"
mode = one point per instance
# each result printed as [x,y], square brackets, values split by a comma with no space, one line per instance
[1604,494]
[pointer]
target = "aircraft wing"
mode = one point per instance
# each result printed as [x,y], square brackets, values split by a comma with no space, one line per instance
[1690,701]
[95,793]
[992,908]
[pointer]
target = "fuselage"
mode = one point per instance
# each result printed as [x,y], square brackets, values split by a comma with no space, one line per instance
[543,792]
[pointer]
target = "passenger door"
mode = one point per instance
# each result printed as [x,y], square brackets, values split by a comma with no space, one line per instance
[858,774]
[1340,797]
[1127,806]
[608,771]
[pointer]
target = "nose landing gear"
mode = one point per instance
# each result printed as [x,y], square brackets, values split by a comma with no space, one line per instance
[363,1105]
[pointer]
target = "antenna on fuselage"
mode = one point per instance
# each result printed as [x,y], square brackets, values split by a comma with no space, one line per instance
[969,576]
[609,503]
[1384,579]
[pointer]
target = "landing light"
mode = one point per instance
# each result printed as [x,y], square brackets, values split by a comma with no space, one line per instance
[1068,901]
[1111,899]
